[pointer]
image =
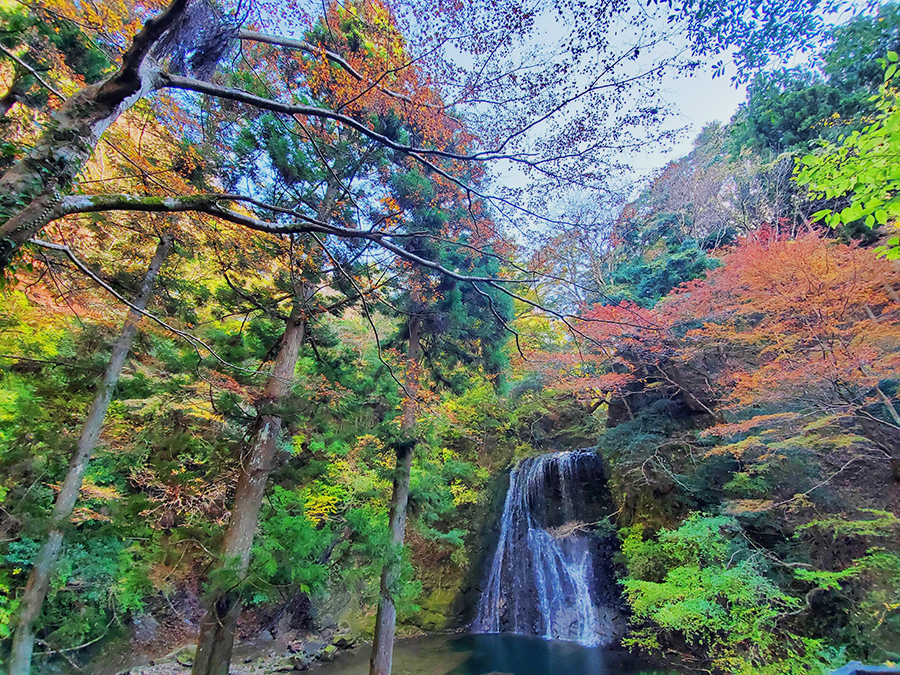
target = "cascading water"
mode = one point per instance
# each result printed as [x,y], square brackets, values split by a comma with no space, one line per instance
[544,577]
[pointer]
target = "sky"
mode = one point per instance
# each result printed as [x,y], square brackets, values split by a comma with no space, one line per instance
[699,99]
[696,100]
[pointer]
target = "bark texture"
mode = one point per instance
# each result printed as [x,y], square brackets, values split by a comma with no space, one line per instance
[31,189]
[218,626]
[39,579]
[386,619]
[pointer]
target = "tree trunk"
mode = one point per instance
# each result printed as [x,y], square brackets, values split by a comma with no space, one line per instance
[39,579]
[32,187]
[218,625]
[386,619]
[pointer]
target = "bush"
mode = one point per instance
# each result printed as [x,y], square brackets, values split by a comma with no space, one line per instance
[700,587]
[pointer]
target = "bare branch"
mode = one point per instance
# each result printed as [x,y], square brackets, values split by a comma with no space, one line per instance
[316,50]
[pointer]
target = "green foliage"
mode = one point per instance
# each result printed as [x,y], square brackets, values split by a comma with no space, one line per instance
[702,586]
[878,524]
[288,548]
[861,167]
[795,108]
[96,581]
[645,280]
[788,109]
[42,34]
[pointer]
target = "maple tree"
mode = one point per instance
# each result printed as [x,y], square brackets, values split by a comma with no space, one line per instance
[805,320]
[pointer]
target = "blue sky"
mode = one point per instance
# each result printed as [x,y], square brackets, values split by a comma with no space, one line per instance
[696,101]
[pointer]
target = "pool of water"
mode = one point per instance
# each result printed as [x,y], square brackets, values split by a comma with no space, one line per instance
[491,654]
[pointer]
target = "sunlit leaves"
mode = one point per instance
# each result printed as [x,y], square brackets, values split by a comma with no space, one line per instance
[861,168]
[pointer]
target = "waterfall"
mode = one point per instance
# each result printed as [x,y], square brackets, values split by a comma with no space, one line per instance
[543,576]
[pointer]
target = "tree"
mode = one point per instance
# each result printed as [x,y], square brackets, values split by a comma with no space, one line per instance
[380,88]
[299,185]
[791,109]
[219,623]
[195,38]
[445,326]
[36,42]
[39,579]
[815,318]
[859,168]
[765,393]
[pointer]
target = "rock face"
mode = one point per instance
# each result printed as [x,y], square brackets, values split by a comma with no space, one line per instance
[551,574]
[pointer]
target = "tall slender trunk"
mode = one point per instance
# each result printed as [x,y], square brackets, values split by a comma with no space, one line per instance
[39,579]
[218,625]
[31,189]
[386,619]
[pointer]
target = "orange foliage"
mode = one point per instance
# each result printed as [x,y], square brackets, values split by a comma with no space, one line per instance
[805,318]
[808,320]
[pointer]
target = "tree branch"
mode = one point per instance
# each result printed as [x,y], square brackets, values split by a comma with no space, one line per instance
[65,250]
[34,73]
[316,50]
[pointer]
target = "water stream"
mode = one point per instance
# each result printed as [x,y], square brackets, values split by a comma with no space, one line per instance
[546,578]
[502,654]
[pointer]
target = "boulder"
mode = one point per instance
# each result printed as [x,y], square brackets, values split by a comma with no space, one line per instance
[301,661]
[313,649]
[344,642]
[145,627]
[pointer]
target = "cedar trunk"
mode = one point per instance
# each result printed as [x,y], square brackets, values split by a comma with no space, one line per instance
[41,573]
[218,625]
[386,619]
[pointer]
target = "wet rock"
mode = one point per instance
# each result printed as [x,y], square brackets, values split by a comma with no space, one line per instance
[329,653]
[550,557]
[314,649]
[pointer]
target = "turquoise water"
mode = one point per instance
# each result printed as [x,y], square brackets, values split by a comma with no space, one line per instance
[502,654]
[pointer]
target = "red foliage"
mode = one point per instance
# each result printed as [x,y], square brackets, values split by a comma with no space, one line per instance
[806,320]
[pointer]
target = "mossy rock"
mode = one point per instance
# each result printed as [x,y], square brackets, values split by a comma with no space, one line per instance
[184,655]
